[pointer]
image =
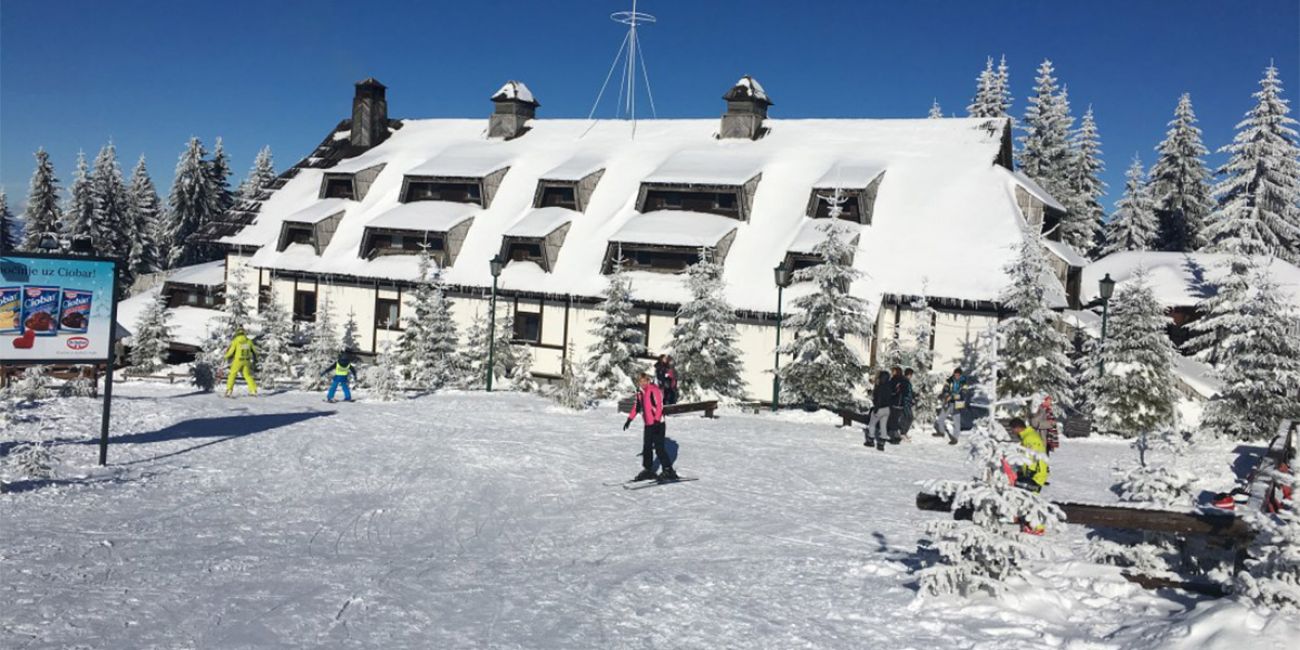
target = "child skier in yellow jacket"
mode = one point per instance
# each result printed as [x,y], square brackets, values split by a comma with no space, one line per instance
[241,354]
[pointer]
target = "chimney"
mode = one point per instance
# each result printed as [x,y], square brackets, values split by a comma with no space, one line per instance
[513,106]
[369,114]
[746,109]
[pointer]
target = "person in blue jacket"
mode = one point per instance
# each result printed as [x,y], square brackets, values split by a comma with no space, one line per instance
[343,369]
[954,398]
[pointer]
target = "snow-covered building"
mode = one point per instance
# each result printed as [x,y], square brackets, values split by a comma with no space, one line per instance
[194,296]
[935,204]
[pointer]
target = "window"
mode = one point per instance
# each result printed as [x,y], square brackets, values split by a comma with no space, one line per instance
[798,262]
[724,203]
[562,196]
[396,243]
[263,298]
[851,211]
[458,192]
[388,314]
[663,260]
[299,234]
[528,327]
[524,252]
[338,188]
[304,305]
[209,299]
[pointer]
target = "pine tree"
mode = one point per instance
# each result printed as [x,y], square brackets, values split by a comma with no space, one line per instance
[192,204]
[1180,182]
[1002,89]
[218,171]
[426,357]
[444,344]
[824,368]
[382,377]
[152,338]
[983,554]
[1160,480]
[1223,311]
[521,376]
[8,227]
[1258,210]
[1260,369]
[1136,393]
[474,356]
[42,217]
[1045,154]
[987,101]
[144,211]
[111,232]
[275,352]
[574,389]
[323,349]
[1134,226]
[235,314]
[615,356]
[259,177]
[79,217]
[1082,225]
[704,338]
[1271,575]
[1033,350]
[925,383]
[935,111]
[350,331]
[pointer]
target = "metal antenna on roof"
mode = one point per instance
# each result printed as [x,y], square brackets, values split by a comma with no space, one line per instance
[626,103]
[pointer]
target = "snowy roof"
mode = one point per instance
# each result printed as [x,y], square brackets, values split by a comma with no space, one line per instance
[747,88]
[470,162]
[319,211]
[709,167]
[1034,189]
[1196,375]
[1182,279]
[188,325]
[813,232]
[675,228]
[431,216]
[575,168]
[514,90]
[1066,252]
[850,175]
[207,274]
[540,222]
[943,225]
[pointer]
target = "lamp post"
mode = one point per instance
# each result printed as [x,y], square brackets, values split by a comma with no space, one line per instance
[783,277]
[496,264]
[1106,287]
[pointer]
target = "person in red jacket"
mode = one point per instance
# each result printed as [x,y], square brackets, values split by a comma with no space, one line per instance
[649,402]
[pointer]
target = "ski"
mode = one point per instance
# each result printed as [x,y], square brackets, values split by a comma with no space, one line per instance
[647,484]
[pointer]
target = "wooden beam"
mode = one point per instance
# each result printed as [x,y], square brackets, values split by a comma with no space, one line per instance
[1156,582]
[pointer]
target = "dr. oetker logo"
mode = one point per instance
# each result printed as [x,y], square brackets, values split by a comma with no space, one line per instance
[78,343]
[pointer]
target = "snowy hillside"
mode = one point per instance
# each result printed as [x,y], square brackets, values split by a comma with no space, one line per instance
[483,520]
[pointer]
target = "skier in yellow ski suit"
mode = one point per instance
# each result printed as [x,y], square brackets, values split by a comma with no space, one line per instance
[242,354]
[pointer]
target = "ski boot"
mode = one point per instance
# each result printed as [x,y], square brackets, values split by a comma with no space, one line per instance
[668,474]
[645,475]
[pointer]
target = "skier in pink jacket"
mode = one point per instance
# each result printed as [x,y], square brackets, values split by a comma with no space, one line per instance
[650,403]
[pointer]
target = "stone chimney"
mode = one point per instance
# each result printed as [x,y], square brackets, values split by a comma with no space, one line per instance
[746,109]
[513,106]
[369,114]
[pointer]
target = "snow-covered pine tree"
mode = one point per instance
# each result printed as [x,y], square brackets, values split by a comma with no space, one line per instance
[574,390]
[111,231]
[9,234]
[152,338]
[521,376]
[425,357]
[936,112]
[144,211]
[982,554]
[218,171]
[444,344]
[986,102]
[1258,209]
[1002,88]
[1134,226]
[823,367]
[259,177]
[192,204]
[474,356]
[615,356]
[925,383]
[1271,575]
[322,350]
[79,217]
[704,338]
[1082,225]
[1045,154]
[382,378]
[1033,351]
[42,218]
[1180,182]
[1222,311]
[236,312]
[275,353]
[1136,393]
[1260,367]
[1159,480]
[350,329]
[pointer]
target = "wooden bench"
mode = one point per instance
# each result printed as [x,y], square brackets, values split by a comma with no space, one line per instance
[708,406]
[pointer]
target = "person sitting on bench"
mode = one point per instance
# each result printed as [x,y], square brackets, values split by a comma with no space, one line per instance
[1033,475]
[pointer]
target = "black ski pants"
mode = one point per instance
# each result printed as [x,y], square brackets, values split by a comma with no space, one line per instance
[653,444]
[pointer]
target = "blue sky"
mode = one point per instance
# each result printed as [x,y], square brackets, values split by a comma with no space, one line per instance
[150,74]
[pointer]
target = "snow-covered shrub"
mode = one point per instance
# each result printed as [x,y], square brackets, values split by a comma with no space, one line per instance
[1271,576]
[521,376]
[620,340]
[573,390]
[34,384]
[322,351]
[704,338]
[984,553]
[203,375]
[275,352]
[382,379]
[151,342]
[79,386]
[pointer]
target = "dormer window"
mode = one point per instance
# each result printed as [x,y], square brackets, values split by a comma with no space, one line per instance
[295,233]
[710,182]
[338,187]
[343,183]
[569,185]
[668,242]
[313,226]
[719,201]
[857,185]
[463,191]
[557,195]
[407,229]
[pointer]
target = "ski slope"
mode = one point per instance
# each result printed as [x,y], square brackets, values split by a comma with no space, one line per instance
[475,520]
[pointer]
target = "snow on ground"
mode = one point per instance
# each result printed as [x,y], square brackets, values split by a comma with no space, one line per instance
[483,520]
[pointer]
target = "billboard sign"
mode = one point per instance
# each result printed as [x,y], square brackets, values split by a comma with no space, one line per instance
[56,308]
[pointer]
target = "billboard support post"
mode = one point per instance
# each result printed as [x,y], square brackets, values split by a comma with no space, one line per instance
[108,373]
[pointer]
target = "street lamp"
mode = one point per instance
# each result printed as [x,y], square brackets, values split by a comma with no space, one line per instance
[1106,287]
[783,278]
[496,264]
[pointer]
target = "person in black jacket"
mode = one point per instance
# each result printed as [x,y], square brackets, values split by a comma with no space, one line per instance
[908,401]
[900,388]
[881,399]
